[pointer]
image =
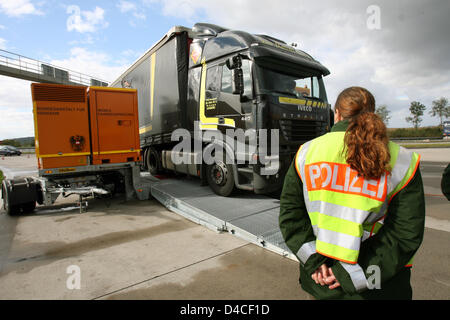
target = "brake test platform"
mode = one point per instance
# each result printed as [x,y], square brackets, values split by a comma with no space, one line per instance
[251,217]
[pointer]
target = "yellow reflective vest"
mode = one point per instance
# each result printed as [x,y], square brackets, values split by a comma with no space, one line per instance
[346,209]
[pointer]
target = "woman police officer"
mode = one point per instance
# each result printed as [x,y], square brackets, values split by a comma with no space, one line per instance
[352,207]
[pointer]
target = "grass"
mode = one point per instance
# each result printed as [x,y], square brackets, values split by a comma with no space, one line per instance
[1,176]
[425,145]
[435,131]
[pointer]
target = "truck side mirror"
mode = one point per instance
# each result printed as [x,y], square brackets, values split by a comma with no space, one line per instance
[234,62]
[237,76]
[237,84]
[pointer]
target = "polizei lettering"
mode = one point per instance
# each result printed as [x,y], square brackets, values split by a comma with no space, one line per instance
[340,177]
[194,310]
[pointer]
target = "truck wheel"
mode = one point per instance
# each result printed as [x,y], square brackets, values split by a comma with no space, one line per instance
[220,177]
[10,210]
[153,161]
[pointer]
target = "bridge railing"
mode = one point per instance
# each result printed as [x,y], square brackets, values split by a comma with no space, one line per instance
[61,75]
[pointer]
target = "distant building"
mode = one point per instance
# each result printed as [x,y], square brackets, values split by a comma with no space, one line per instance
[303,91]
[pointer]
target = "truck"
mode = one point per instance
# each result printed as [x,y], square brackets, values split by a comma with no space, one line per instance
[215,83]
[87,144]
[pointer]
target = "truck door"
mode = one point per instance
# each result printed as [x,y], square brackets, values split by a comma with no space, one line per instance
[230,104]
[220,103]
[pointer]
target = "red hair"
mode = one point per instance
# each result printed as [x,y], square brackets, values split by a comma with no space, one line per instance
[366,137]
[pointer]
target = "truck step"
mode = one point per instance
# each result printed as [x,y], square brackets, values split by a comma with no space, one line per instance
[245,170]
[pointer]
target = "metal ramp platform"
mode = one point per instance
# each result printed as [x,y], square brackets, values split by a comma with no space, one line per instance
[251,217]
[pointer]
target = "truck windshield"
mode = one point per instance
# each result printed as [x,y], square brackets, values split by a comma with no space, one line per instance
[296,86]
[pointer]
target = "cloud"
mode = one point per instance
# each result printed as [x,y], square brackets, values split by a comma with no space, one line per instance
[17,8]
[85,21]
[406,57]
[15,94]
[126,6]
[96,64]
[16,108]
[130,7]
[89,39]
[2,44]
[181,9]
[139,15]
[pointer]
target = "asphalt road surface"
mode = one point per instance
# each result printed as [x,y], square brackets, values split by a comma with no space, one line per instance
[140,250]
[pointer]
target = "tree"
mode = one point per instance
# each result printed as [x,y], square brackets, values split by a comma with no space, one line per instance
[11,142]
[440,109]
[416,109]
[383,113]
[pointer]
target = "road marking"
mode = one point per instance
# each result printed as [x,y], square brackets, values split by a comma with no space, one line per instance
[169,272]
[437,224]
[442,282]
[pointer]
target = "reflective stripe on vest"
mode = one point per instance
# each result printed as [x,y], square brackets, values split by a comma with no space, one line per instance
[357,275]
[305,251]
[341,204]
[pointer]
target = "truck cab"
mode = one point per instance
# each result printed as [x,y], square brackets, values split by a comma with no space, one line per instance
[256,82]
[247,101]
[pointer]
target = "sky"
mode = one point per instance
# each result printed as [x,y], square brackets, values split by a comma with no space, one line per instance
[399,50]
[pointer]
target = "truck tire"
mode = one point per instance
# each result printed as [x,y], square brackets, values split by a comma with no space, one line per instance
[10,210]
[153,161]
[28,207]
[220,176]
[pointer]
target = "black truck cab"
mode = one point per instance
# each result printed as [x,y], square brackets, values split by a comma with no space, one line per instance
[250,101]
[276,87]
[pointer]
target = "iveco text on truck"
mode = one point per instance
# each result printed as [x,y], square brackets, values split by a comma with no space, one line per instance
[211,79]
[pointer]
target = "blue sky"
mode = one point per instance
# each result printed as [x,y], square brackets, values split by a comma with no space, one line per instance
[120,29]
[405,59]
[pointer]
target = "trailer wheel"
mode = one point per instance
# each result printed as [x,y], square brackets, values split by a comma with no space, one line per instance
[153,161]
[10,210]
[220,176]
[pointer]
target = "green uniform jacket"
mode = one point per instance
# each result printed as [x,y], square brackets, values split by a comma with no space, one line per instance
[390,248]
[445,182]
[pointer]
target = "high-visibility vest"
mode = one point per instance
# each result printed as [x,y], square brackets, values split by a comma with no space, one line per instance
[346,209]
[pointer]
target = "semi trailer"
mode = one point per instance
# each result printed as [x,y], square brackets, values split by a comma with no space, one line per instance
[87,144]
[220,85]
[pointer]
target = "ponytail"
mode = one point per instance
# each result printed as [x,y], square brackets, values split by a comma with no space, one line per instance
[367,146]
[366,137]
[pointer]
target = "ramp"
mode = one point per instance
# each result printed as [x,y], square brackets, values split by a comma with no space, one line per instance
[251,217]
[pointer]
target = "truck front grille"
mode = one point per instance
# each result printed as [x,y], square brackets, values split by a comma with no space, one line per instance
[301,130]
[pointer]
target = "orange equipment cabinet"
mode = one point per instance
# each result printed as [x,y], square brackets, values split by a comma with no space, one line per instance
[114,125]
[61,124]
